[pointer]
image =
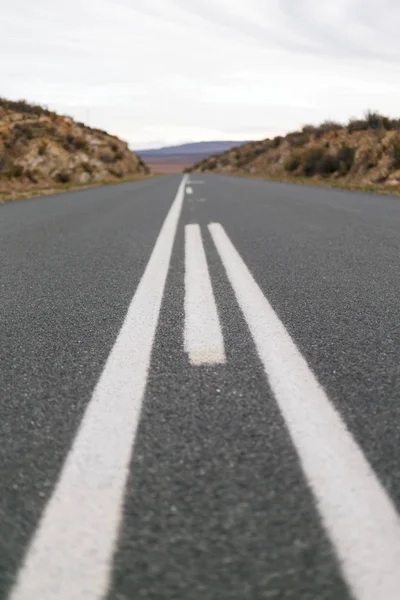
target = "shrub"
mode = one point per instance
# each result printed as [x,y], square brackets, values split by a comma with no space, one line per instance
[107,158]
[62,177]
[395,152]
[115,173]
[15,171]
[31,175]
[310,159]
[327,127]
[276,142]
[23,106]
[118,156]
[298,139]
[357,125]
[81,144]
[309,129]
[291,162]
[72,143]
[327,164]
[258,151]
[23,130]
[87,167]
[345,157]
[373,120]
[42,148]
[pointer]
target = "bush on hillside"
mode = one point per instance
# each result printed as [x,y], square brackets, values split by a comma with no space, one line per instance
[395,152]
[87,167]
[292,162]
[318,161]
[345,157]
[310,159]
[357,125]
[22,106]
[327,127]
[309,129]
[16,171]
[62,177]
[374,120]
[276,141]
[72,143]
[42,148]
[327,164]
[297,139]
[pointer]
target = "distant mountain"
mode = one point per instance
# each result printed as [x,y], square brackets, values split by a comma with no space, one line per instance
[174,159]
[196,148]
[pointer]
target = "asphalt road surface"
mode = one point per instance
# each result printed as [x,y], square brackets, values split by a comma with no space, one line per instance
[200,393]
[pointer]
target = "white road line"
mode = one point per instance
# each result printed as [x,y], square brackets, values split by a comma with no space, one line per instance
[189,190]
[71,553]
[204,342]
[193,182]
[356,511]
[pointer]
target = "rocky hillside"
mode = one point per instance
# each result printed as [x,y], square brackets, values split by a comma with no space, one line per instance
[39,148]
[363,152]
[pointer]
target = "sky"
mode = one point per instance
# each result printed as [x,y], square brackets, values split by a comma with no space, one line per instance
[161,72]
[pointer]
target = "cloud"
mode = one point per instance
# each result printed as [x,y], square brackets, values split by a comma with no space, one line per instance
[181,70]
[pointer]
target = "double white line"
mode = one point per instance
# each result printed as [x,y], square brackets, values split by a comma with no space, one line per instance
[71,554]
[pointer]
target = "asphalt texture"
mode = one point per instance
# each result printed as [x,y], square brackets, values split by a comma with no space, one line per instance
[217,506]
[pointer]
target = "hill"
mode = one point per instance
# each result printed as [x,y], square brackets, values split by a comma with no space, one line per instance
[174,159]
[365,152]
[39,149]
[206,148]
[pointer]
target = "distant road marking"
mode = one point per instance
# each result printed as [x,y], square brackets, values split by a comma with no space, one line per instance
[196,182]
[204,342]
[70,556]
[189,190]
[201,200]
[356,511]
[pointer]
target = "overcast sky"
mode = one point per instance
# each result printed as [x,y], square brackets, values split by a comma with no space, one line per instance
[159,72]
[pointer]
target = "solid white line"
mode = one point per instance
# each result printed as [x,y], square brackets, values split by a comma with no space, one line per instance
[356,511]
[71,553]
[204,342]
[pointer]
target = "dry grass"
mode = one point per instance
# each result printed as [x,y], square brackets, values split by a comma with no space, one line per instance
[34,192]
[352,187]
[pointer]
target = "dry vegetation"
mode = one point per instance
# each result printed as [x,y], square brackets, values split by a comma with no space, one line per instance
[365,153]
[40,150]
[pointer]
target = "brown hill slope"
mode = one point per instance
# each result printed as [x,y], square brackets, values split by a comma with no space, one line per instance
[39,149]
[365,152]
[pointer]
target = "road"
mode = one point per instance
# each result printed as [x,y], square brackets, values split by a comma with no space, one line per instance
[199,385]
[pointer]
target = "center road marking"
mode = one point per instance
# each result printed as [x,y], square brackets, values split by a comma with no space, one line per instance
[70,556]
[357,513]
[189,190]
[203,336]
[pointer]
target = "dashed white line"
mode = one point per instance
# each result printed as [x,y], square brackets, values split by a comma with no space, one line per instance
[357,513]
[203,336]
[71,552]
[189,190]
